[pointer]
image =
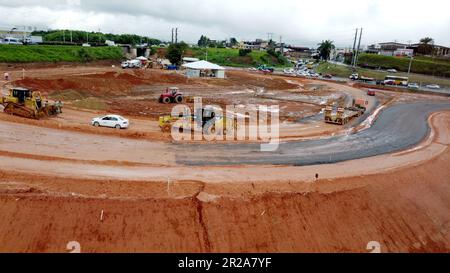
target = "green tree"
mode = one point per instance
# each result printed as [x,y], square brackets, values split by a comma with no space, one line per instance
[244,52]
[203,41]
[325,48]
[94,37]
[233,42]
[85,55]
[427,40]
[426,46]
[175,52]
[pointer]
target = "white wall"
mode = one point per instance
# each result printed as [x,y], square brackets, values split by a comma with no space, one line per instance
[192,73]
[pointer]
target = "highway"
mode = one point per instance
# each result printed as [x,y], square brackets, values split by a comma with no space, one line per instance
[397,128]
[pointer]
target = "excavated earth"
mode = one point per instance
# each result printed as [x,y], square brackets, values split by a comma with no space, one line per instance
[133,191]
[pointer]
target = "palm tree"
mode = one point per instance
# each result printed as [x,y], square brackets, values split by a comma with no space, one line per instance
[325,48]
[426,46]
[427,40]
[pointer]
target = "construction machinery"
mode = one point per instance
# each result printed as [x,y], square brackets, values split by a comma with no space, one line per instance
[266,69]
[343,115]
[29,104]
[209,122]
[171,95]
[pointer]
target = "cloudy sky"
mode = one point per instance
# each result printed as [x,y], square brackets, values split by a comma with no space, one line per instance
[299,22]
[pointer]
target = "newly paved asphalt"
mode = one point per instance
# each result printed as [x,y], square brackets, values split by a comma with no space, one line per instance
[397,128]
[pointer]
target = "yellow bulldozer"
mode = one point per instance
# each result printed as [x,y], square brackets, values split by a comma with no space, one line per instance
[29,104]
[210,123]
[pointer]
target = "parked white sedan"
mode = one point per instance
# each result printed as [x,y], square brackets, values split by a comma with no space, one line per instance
[433,86]
[112,121]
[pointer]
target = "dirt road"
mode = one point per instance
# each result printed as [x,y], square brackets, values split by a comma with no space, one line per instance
[63,180]
[405,210]
[397,128]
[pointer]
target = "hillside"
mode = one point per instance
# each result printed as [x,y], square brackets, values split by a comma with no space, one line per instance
[54,53]
[230,57]
[420,65]
[345,72]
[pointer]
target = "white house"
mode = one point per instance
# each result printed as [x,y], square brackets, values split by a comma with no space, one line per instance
[204,69]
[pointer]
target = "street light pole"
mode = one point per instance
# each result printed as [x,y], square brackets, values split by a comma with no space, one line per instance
[410,64]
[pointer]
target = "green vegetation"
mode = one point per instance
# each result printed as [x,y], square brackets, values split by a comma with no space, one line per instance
[345,72]
[244,52]
[80,37]
[325,48]
[175,53]
[67,95]
[90,103]
[231,57]
[54,53]
[420,65]
[206,42]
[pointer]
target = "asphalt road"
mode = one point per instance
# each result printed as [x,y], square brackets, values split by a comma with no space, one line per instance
[397,128]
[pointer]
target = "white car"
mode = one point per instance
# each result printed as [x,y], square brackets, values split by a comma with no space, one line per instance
[288,71]
[433,86]
[391,70]
[12,41]
[132,64]
[413,86]
[112,121]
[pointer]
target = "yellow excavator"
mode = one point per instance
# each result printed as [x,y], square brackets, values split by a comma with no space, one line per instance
[29,104]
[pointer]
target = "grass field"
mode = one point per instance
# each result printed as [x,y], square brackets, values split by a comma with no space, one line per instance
[54,53]
[420,65]
[345,72]
[230,57]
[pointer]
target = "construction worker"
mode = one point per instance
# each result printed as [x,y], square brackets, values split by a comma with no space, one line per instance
[6,76]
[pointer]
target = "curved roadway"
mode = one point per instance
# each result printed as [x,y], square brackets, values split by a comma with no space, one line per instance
[398,127]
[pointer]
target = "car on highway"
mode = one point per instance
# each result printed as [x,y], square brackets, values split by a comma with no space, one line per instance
[112,121]
[433,86]
[11,41]
[413,85]
[392,70]
[354,76]
[327,76]
[389,82]
[371,92]
[288,71]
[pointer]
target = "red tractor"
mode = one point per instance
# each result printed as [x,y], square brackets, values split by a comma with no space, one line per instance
[171,95]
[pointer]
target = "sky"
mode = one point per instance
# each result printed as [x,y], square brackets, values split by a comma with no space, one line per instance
[297,22]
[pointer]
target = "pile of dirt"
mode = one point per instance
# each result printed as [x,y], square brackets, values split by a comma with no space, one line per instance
[102,84]
[404,210]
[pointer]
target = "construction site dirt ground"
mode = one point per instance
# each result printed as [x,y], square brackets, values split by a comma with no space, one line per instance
[73,188]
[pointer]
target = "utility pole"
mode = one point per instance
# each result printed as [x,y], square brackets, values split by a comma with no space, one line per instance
[410,64]
[176,36]
[64,36]
[354,47]
[71,40]
[359,44]
[172,35]
[281,45]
